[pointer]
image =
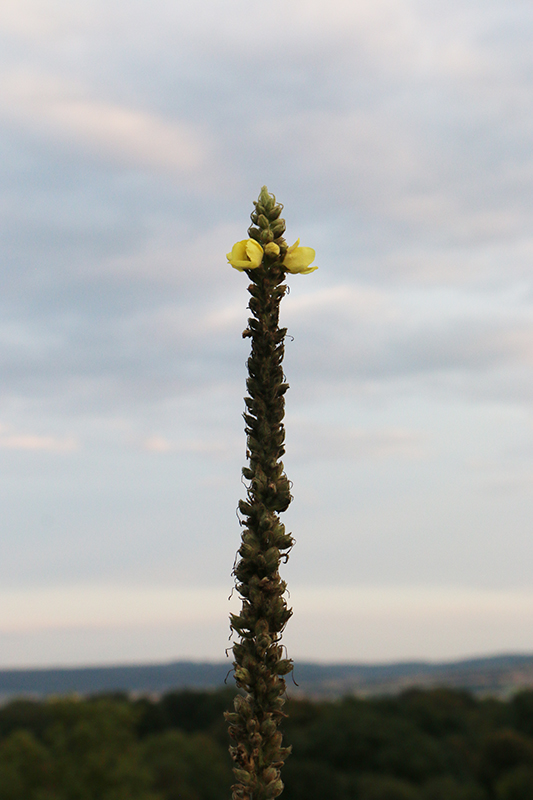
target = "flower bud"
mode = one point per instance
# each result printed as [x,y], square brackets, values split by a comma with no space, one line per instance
[266,200]
[266,236]
[278,226]
[275,212]
[272,249]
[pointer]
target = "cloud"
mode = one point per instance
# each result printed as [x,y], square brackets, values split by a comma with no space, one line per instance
[316,441]
[401,177]
[133,139]
[372,623]
[40,443]
[350,335]
[308,441]
[167,343]
[109,605]
[360,302]
[36,19]
[354,624]
[59,109]
[208,447]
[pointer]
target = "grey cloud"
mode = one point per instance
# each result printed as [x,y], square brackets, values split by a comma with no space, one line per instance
[361,335]
[398,136]
[317,441]
[152,353]
[402,126]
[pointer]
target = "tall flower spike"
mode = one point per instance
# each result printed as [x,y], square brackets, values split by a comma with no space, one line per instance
[258,655]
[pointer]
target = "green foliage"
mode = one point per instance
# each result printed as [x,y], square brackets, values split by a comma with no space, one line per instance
[191,711]
[377,788]
[187,767]
[423,745]
[353,736]
[439,712]
[88,752]
[448,788]
[517,784]
[27,714]
[305,779]
[522,712]
[504,750]
[26,768]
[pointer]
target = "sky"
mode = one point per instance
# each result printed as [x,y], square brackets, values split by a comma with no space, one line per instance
[134,136]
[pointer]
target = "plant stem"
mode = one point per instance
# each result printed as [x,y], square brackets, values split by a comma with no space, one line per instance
[258,656]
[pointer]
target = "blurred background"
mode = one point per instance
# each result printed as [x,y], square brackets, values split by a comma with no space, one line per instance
[134,137]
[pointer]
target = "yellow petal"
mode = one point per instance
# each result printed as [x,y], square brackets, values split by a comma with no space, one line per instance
[298,259]
[246,254]
[254,251]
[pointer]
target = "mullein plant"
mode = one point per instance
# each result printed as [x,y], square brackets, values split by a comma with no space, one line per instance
[259,665]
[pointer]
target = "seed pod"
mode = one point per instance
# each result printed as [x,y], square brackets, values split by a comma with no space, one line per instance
[272,559]
[270,774]
[242,675]
[284,541]
[274,789]
[268,727]
[284,666]
[249,550]
[244,507]
[243,776]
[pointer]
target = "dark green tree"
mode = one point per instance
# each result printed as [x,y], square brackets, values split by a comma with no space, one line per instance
[187,766]
[88,751]
[26,767]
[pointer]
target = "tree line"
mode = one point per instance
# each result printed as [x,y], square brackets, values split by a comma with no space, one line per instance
[439,744]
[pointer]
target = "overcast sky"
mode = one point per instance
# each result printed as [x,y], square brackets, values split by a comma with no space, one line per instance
[134,136]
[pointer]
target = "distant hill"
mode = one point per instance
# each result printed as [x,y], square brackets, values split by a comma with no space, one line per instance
[498,675]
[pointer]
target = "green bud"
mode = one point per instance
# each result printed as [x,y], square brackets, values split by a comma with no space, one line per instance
[276,211]
[254,233]
[266,236]
[278,227]
[266,200]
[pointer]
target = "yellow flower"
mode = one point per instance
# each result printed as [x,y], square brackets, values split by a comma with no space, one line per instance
[247,254]
[298,259]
